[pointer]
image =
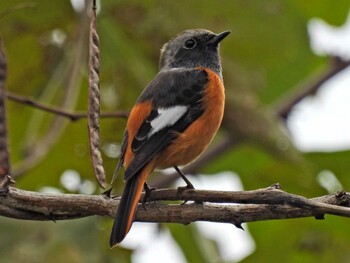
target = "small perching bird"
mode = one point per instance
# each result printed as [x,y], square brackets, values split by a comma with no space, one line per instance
[174,119]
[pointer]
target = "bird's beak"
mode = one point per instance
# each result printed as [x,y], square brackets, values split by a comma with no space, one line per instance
[219,37]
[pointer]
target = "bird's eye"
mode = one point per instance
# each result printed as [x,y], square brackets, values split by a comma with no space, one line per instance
[190,43]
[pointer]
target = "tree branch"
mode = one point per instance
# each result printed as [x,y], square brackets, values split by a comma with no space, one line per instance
[73,116]
[256,205]
[287,103]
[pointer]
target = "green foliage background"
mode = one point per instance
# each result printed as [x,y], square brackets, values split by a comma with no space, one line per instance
[266,56]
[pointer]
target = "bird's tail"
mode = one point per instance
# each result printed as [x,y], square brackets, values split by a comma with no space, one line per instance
[127,207]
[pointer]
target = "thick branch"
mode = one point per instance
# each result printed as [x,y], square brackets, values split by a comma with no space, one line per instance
[262,204]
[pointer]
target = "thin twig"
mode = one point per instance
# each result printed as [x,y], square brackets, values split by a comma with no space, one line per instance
[94,101]
[4,146]
[73,116]
[286,104]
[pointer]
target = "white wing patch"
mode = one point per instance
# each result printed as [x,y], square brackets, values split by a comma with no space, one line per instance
[167,117]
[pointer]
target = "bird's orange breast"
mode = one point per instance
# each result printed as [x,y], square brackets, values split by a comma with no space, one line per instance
[195,139]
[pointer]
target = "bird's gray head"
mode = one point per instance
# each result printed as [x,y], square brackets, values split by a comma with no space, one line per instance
[192,48]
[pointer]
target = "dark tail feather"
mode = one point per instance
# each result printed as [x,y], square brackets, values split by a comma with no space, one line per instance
[126,210]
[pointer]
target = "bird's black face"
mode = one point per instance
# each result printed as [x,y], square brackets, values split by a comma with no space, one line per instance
[193,48]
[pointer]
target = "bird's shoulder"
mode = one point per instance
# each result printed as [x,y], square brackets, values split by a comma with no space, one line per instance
[178,86]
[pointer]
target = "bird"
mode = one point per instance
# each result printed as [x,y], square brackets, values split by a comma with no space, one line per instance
[173,120]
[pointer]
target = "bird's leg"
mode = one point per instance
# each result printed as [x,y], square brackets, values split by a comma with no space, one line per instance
[107,193]
[148,191]
[189,185]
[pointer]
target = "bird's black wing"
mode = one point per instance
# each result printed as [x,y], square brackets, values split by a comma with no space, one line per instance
[176,96]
